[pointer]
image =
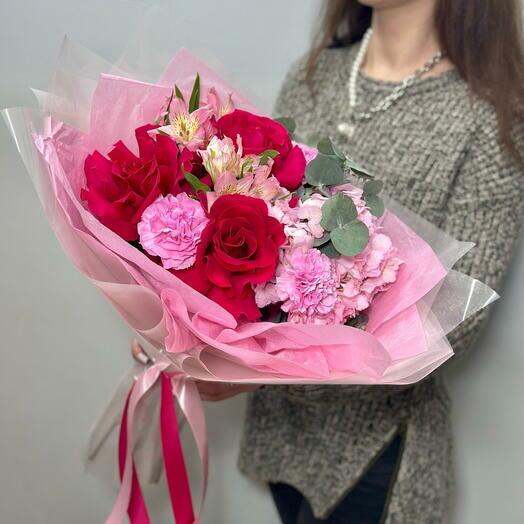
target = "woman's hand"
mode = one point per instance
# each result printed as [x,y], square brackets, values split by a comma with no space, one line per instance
[212,391]
[215,391]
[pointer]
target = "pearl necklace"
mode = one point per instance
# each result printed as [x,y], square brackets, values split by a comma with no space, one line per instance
[389,100]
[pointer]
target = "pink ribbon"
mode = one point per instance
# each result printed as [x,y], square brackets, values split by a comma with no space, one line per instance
[130,499]
[137,509]
[176,473]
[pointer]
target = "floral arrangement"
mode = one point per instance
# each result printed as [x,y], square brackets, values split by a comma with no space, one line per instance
[236,252]
[226,200]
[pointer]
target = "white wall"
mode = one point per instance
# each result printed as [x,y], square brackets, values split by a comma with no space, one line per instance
[64,347]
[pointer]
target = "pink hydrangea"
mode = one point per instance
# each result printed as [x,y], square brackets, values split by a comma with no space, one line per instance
[306,284]
[301,223]
[367,274]
[316,289]
[170,228]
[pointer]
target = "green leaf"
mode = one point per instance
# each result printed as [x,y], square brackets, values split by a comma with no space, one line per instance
[375,204]
[350,239]
[372,187]
[267,154]
[194,100]
[168,107]
[195,183]
[358,170]
[322,240]
[329,250]
[359,322]
[312,140]
[325,170]
[338,152]
[288,122]
[178,93]
[337,212]
[327,147]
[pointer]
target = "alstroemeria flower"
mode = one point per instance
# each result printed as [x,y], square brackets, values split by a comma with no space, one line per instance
[191,130]
[256,183]
[218,106]
[222,156]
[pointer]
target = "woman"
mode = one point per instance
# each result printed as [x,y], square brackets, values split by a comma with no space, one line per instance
[446,144]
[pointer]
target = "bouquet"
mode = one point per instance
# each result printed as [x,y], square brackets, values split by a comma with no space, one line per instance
[236,251]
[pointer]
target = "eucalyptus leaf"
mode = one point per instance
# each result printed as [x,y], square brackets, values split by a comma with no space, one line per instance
[358,170]
[350,239]
[326,147]
[329,250]
[375,204]
[322,240]
[337,212]
[195,183]
[372,187]
[338,152]
[312,140]
[194,100]
[288,122]
[325,170]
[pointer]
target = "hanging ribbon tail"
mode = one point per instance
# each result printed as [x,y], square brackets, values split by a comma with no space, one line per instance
[191,406]
[137,509]
[130,500]
[174,464]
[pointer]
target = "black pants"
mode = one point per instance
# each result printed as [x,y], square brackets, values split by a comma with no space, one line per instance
[364,504]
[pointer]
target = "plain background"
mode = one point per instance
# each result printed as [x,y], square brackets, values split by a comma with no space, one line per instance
[63,346]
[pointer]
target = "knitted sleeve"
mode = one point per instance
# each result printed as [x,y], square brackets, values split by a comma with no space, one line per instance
[486,207]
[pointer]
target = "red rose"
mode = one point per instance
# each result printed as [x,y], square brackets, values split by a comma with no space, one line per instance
[238,249]
[120,187]
[260,133]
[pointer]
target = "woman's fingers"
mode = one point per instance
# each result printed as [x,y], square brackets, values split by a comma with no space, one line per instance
[138,353]
[216,391]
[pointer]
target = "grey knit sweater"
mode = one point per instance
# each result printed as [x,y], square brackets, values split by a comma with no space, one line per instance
[437,152]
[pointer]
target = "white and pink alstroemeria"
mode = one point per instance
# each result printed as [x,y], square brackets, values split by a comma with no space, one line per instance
[221,156]
[218,105]
[191,130]
[259,184]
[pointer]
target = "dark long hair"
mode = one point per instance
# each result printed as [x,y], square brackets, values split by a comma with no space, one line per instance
[482,38]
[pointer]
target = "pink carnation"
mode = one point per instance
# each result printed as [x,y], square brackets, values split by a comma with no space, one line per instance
[170,228]
[307,284]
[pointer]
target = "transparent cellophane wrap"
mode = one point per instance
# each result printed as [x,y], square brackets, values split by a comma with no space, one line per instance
[91,104]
